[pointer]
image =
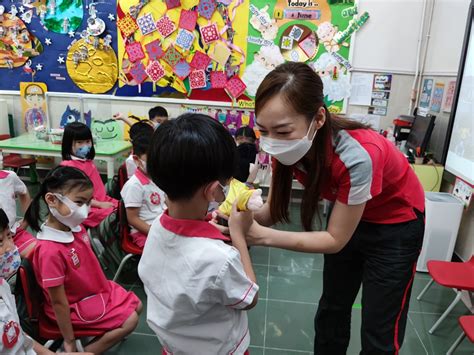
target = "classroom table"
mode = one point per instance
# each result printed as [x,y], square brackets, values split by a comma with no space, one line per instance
[106,150]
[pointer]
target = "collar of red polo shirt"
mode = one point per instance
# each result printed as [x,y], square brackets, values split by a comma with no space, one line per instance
[3,174]
[191,228]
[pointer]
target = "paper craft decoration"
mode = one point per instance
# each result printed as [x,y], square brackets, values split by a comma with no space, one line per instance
[155,71]
[154,50]
[138,72]
[235,87]
[185,39]
[206,8]
[187,19]
[308,46]
[134,51]
[172,56]
[33,105]
[221,53]
[182,69]
[197,79]
[171,4]
[165,26]
[286,42]
[146,23]
[218,79]
[209,33]
[296,33]
[200,60]
[60,16]
[127,25]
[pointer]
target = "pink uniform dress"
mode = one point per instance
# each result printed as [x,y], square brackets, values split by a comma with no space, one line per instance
[96,215]
[66,258]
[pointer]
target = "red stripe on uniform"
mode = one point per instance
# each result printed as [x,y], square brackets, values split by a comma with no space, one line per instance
[404,300]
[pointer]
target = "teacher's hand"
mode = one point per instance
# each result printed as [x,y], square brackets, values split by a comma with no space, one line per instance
[255,236]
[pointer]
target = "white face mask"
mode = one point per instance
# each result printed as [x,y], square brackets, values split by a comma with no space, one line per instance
[214,205]
[76,216]
[9,263]
[288,152]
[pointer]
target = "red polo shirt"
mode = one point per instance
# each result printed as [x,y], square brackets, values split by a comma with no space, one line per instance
[366,167]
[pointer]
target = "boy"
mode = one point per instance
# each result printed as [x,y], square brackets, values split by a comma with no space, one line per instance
[198,287]
[156,116]
[143,200]
[137,129]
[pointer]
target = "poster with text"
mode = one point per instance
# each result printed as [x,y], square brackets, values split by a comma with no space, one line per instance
[437,99]
[448,102]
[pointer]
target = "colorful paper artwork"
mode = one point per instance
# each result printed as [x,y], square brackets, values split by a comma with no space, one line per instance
[154,50]
[165,26]
[218,79]
[209,33]
[308,46]
[155,70]
[127,25]
[200,60]
[206,8]
[146,23]
[187,19]
[221,53]
[197,79]
[185,39]
[138,72]
[33,104]
[172,56]
[286,42]
[134,51]
[296,33]
[171,4]
[182,69]
[235,87]
[61,16]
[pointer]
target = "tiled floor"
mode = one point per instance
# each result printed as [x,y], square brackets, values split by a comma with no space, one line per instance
[290,287]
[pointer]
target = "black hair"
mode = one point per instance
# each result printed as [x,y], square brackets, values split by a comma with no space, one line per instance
[141,143]
[62,179]
[247,153]
[157,111]
[247,132]
[4,223]
[140,128]
[76,131]
[188,153]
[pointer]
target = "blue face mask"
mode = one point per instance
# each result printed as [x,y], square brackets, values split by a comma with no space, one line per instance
[83,151]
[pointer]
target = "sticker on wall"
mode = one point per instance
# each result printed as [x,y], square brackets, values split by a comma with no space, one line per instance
[299,43]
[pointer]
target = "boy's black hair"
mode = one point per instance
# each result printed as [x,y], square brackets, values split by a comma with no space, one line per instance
[140,128]
[188,153]
[4,223]
[61,179]
[76,131]
[247,153]
[141,144]
[247,132]
[157,111]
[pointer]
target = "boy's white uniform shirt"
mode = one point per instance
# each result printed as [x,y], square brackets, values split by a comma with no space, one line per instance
[196,288]
[140,191]
[10,187]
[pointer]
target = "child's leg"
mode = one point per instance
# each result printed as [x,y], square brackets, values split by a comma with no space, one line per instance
[109,339]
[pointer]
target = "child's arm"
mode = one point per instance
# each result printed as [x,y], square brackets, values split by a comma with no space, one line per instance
[63,316]
[25,201]
[120,117]
[101,204]
[239,224]
[135,221]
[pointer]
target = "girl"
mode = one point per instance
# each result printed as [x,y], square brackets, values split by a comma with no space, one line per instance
[375,231]
[77,293]
[78,152]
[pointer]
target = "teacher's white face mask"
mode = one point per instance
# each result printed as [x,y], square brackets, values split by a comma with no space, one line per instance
[288,152]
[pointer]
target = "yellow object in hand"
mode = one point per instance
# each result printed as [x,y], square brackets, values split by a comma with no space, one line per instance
[240,192]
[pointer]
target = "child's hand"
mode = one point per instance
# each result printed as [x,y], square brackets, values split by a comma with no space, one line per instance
[70,346]
[216,215]
[105,204]
[118,116]
[239,222]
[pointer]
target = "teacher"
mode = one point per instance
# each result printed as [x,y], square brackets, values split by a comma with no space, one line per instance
[375,230]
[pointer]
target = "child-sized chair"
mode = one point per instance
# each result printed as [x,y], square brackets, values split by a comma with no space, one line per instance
[15,162]
[128,246]
[30,308]
[459,276]
[467,325]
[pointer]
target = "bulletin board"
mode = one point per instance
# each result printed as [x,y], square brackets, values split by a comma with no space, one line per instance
[214,50]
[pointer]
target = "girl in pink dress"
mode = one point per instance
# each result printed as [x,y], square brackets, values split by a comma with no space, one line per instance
[77,294]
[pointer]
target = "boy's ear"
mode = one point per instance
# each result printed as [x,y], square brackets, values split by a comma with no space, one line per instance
[210,191]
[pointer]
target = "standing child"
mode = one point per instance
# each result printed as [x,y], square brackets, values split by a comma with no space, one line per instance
[156,116]
[198,286]
[11,188]
[77,294]
[143,200]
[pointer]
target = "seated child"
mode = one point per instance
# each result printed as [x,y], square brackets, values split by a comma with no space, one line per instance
[77,294]
[11,187]
[156,116]
[198,287]
[138,129]
[143,200]
[78,151]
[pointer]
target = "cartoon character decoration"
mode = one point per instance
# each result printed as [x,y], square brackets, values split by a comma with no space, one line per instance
[335,78]
[326,33]
[33,98]
[263,23]
[107,130]
[73,115]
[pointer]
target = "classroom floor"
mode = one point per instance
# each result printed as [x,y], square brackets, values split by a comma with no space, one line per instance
[290,287]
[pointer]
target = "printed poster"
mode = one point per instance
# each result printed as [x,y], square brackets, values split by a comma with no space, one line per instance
[33,105]
[426,93]
[382,82]
[437,99]
[448,102]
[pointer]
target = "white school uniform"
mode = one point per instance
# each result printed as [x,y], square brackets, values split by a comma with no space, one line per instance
[140,191]
[130,165]
[196,288]
[11,187]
